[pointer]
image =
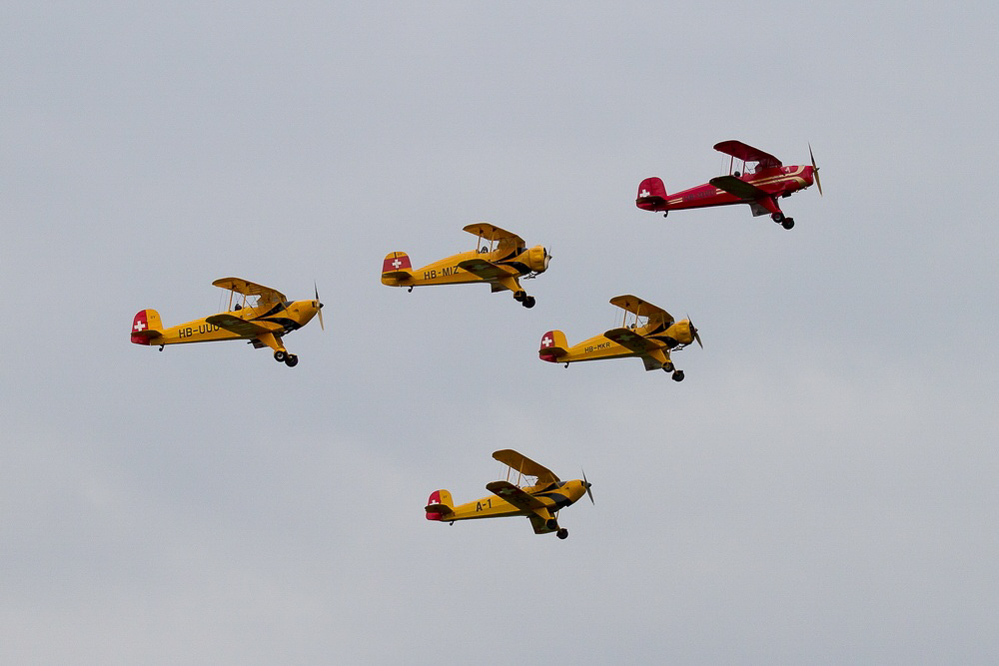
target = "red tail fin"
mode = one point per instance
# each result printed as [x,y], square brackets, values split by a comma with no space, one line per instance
[439,505]
[553,346]
[651,194]
[146,325]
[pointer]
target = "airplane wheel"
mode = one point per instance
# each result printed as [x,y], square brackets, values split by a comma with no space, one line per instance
[552,524]
[668,366]
[528,302]
[519,296]
[280,356]
[678,376]
[562,533]
[778,218]
[788,222]
[291,361]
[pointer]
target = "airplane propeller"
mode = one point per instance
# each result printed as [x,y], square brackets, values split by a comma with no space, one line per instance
[587,484]
[693,332]
[815,169]
[321,325]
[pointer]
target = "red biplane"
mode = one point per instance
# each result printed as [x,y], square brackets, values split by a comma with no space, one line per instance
[762,181]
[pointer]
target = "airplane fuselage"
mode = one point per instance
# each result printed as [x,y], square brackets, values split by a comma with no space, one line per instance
[554,496]
[776,182]
[278,319]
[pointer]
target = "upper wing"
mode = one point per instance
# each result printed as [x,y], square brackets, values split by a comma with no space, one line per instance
[525,465]
[491,233]
[241,286]
[515,496]
[637,306]
[739,188]
[741,151]
[486,269]
[246,329]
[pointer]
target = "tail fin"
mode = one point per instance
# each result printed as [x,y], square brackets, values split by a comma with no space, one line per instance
[145,326]
[396,269]
[553,346]
[651,194]
[439,505]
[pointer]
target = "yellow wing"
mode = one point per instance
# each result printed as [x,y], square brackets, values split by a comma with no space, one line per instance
[491,233]
[241,286]
[515,496]
[633,341]
[486,270]
[525,465]
[241,327]
[637,306]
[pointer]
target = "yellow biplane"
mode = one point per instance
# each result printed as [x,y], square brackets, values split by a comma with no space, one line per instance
[540,500]
[651,335]
[499,259]
[260,315]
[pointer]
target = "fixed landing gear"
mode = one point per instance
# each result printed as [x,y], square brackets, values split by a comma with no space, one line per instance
[677,375]
[786,222]
[562,533]
[281,356]
[525,300]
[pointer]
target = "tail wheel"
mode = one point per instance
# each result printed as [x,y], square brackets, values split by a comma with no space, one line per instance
[528,302]
[678,376]
[280,356]
[291,361]
[562,533]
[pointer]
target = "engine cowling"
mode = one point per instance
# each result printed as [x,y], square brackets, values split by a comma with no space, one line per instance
[538,258]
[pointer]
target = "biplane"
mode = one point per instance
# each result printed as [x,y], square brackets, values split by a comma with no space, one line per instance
[499,259]
[260,315]
[762,180]
[540,500]
[647,331]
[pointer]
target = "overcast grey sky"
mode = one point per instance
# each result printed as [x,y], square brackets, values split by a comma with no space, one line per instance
[820,489]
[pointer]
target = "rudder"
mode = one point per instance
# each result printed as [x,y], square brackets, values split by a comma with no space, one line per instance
[396,269]
[553,346]
[439,505]
[146,325]
[651,194]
